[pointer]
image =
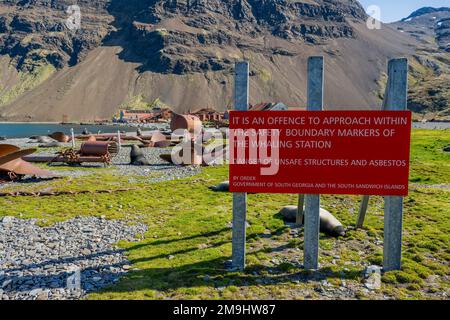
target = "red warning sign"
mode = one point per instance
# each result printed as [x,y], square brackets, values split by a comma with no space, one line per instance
[320,152]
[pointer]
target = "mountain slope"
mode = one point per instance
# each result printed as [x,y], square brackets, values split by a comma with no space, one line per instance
[182,53]
[429,96]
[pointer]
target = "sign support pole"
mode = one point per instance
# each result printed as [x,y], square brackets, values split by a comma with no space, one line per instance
[395,100]
[312,209]
[300,211]
[362,211]
[389,103]
[241,101]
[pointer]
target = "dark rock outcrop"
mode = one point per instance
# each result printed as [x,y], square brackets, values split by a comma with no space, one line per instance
[35,32]
[174,36]
[166,36]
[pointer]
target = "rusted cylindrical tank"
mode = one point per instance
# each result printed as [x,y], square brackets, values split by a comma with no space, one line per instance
[99,148]
[191,123]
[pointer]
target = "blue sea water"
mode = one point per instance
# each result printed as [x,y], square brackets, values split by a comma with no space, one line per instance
[26,130]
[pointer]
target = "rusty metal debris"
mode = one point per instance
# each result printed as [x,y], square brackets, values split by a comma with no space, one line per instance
[188,122]
[192,141]
[90,151]
[195,157]
[59,193]
[12,167]
[60,137]
[107,137]
[159,140]
[98,148]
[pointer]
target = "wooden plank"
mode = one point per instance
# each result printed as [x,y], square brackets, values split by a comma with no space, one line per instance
[241,101]
[300,210]
[362,211]
[312,209]
[387,101]
[396,99]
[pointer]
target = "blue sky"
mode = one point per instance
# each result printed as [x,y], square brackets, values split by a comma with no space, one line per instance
[394,10]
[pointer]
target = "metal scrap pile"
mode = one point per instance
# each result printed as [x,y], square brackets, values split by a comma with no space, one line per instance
[13,167]
[90,151]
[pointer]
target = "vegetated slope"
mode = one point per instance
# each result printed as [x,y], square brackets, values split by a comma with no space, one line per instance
[429,95]
[183,52]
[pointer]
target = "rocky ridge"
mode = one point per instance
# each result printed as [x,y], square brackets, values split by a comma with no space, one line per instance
[429,96]
[169,51]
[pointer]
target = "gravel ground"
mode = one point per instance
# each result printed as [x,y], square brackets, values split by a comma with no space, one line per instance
[42,262]
[432,125]
[164,171]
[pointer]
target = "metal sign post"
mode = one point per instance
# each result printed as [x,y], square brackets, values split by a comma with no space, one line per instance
[241,100]
[396,100]
[312,209]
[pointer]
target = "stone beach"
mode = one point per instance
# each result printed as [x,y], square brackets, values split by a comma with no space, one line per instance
[37,262]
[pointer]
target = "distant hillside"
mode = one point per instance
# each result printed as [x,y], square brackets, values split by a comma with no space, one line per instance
[425,11]
[182,52]
[430,82]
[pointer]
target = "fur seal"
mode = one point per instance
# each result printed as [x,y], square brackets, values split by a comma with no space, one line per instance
[53,144]
[328,223]
[137,157]
[221,187]
[42,139]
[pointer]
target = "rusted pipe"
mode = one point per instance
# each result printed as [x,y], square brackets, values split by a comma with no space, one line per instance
[98,148]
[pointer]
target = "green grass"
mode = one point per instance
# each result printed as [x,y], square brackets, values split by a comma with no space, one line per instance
[189,239]
[27,81]
[429,163]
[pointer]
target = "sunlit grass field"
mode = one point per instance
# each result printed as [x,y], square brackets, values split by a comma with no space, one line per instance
[189,238]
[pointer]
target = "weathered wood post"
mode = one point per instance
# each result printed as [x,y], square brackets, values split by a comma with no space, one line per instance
[300,212]
[396,99]
[312,208]
[241,100]
[389,103]
[362,211]
[72,134]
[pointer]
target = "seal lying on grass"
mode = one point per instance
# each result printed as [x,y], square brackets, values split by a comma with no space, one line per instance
[53,144]
[221,187]
[328,223]
[42,139]
[137,157]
